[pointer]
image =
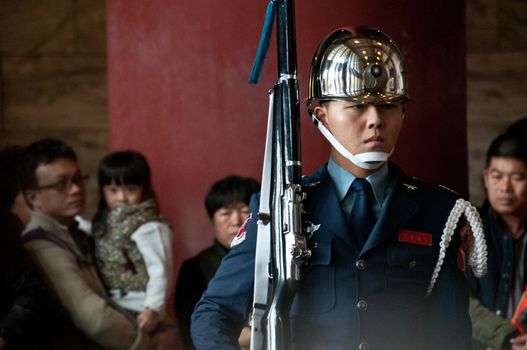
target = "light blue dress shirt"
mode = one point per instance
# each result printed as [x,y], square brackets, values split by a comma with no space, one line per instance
[379,181]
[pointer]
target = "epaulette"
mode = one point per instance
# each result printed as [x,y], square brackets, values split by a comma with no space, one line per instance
[448,189]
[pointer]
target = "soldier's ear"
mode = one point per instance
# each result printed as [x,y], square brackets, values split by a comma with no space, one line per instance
[322,114]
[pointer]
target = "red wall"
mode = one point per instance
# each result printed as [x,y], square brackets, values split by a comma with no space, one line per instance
[178,92]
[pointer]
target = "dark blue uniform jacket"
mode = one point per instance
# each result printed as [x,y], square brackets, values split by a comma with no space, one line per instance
[351,299]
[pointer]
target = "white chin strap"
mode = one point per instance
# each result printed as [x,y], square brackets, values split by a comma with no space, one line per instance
[366,160]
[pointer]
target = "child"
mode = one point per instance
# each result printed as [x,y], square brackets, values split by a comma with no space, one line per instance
[132,241]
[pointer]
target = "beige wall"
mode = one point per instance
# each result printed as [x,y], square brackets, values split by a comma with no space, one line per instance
[53,76]
[496,76]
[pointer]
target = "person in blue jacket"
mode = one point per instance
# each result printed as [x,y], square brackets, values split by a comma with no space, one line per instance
[393,284]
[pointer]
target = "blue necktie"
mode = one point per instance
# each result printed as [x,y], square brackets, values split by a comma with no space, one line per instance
[362,218]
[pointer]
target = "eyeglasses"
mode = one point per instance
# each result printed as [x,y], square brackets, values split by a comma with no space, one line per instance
[66,184]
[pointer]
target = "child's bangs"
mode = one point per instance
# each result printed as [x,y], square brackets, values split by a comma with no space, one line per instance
[121,176]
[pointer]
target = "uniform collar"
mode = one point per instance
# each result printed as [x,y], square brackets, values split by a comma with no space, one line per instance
[342,180]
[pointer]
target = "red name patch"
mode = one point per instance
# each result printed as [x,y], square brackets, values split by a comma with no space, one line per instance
[415,237]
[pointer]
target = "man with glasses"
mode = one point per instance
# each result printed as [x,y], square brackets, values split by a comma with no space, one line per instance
[54,189]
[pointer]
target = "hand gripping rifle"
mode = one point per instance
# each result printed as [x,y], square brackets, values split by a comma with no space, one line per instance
[282,242]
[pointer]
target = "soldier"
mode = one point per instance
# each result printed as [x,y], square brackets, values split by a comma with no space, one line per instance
[368,282]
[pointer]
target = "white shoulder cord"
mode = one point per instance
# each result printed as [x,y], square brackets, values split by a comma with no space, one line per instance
[476,249]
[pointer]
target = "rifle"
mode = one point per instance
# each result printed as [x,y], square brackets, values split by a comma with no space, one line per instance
[282,241]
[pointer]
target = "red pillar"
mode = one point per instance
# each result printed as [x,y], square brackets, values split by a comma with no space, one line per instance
[178,92]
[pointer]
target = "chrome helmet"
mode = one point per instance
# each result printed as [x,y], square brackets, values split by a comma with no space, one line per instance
[361,65]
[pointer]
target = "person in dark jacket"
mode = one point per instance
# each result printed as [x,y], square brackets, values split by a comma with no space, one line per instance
[24,303]
[504,217]
[227,204]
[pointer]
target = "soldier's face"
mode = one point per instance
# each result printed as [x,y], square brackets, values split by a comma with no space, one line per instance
[505,180]
[362,128]
[227,222]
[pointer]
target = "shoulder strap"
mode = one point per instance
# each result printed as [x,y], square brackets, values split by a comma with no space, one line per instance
[39,233]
